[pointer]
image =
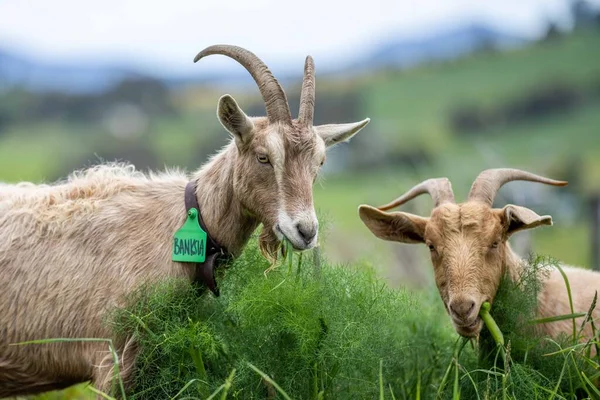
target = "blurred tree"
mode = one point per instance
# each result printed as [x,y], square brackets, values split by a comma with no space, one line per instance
[150,96]
[537,103]
[552,33]
[583,14]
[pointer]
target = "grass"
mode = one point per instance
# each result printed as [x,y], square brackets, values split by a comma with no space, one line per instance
[553,143]
[417,101]
[312,330]
[36,153]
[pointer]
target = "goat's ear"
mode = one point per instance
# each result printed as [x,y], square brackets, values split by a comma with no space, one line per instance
[336,133]
[395,226]
[234,119]
[516,218]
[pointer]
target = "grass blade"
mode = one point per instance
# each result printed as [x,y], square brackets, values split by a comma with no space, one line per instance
[381,396]
[99,393]
[394,397]
[418,395]
[216,392]
[568,285]
[271,381]
[183,388]
[200,370]
[227,385]
[557,318]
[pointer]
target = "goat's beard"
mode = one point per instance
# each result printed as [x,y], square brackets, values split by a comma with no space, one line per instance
[269,244]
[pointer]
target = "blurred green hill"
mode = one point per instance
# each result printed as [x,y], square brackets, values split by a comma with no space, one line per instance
[535,108]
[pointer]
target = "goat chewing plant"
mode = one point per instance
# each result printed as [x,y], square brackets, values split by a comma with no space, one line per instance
[89,241]
[470,250]
[308,329]
[532,365]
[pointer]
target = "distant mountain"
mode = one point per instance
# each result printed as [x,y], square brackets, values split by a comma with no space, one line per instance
[75,77]
[396,53]
[444,45]
[42,76]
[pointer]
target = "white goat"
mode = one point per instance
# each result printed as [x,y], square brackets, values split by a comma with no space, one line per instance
[72,251]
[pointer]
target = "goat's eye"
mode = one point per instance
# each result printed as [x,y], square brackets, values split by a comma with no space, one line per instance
[322,162]
[262,158]
[494,245]
[431,247]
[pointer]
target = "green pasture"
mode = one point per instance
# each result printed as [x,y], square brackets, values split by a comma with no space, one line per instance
[414,104]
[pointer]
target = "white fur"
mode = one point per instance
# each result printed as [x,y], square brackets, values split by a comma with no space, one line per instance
[286,228]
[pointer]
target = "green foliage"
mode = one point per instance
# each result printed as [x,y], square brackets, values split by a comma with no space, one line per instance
[314,330]
[531,366]
[514,305]
[336,331]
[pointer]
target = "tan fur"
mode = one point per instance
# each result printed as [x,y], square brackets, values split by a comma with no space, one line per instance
[470,253]
[72,251]
[584,283]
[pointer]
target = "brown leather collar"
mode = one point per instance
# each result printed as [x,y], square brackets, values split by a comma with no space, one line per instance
[215,253]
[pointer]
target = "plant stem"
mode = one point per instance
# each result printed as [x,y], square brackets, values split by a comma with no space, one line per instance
[485,315]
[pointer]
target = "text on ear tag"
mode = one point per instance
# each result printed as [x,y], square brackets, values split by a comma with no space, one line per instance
[189,242]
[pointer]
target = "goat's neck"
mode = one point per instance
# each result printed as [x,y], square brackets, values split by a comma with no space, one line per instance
[514,264]
[225,218]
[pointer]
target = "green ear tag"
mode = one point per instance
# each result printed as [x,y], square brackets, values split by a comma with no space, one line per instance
[189,242]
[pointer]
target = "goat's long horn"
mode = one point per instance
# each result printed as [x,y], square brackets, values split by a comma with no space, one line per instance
[440,190]
[307,96]
[272,93]
[488,182]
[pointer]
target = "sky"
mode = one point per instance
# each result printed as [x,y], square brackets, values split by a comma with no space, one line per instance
[165,35]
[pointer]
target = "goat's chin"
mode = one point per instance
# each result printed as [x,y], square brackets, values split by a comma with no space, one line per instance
[269,244]
[470,331]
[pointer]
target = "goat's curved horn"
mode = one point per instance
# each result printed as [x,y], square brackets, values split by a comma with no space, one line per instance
[307,96]
[440,190]
[488,182]
[272,93]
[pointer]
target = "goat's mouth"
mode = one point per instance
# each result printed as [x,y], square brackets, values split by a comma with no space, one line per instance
[297,244]
[470,329]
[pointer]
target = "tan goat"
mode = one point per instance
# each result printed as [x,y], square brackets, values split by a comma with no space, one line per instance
[470,250]
[70,252]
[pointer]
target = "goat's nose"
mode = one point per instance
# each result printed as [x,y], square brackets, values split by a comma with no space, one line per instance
[462,307]
[307,230]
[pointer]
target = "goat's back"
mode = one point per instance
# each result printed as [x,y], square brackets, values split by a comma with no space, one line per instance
[68,254]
